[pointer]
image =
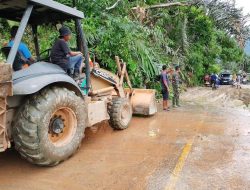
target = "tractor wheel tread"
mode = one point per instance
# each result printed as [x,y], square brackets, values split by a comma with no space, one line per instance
[29,123]
[115,113]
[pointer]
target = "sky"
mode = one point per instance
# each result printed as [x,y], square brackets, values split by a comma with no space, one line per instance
[243,4]
[246,8]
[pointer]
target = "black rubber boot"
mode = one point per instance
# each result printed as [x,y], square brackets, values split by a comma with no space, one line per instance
[70,74]
[174,102]
[76,75]
[178,102]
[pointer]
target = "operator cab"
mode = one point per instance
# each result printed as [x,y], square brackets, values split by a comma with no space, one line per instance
[37,13]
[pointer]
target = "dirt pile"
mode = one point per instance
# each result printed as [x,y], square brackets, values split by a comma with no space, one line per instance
[226,96]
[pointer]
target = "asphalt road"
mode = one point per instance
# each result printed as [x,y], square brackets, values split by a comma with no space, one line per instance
[198,146]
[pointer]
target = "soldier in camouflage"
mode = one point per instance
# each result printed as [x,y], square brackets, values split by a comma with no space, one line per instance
[176,87]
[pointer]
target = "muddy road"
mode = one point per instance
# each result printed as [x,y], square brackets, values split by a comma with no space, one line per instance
[203,145]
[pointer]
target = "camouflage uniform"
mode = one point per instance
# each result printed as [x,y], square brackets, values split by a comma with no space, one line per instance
[176,89]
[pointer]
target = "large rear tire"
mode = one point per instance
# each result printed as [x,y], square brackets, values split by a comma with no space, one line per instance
[120,113]
[50,126]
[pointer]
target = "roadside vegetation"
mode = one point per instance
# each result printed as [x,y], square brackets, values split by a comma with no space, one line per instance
[201,36]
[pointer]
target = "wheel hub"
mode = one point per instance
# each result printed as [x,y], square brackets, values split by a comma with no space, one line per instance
[57,125]
[62,126]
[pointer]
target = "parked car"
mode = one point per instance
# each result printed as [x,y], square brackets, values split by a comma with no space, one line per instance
[226,79]
[244,80]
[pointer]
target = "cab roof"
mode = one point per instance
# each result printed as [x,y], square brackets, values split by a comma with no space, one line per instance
[45,11]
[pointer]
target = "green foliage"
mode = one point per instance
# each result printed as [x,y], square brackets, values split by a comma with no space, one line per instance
[246,64]
[210,49]
[176,35]
[4,26]
[214,69]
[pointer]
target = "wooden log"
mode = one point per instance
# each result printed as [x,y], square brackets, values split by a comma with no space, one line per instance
[4,143]
[5,80]
[164,5]
[6,89]
[5,72]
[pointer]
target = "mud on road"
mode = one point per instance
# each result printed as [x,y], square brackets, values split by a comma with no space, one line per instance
[203,145]
[225,96]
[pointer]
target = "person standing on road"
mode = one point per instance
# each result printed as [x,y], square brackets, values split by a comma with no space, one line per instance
[238,85]
[213,79]
[176,87]
[234,78]
[61,54]
[165,87]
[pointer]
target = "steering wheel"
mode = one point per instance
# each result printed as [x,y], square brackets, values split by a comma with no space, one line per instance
[45,56]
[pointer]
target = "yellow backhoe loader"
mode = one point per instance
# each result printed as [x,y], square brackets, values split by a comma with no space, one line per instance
[42,109]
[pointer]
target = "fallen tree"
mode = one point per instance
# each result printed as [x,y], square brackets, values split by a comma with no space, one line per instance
[166,5]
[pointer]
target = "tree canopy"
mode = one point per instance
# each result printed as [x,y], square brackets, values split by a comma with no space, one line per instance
[203,36]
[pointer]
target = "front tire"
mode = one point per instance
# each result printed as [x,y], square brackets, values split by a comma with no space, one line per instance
[50,126]
[120,113]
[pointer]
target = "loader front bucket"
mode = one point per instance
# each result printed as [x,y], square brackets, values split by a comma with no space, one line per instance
[143,102]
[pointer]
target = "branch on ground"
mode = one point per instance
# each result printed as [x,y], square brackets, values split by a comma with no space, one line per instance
[114,6]
[141,12]
[164,5]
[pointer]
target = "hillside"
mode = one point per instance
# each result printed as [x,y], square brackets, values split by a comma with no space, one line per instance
[247,48]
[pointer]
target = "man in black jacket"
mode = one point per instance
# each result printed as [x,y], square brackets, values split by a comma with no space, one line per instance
[61,54]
